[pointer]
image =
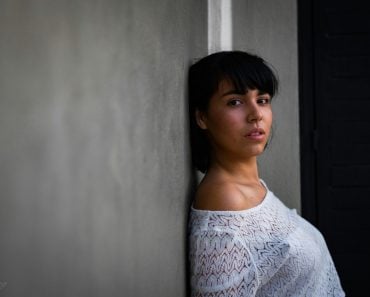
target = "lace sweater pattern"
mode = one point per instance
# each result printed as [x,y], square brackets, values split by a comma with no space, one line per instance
[268,250]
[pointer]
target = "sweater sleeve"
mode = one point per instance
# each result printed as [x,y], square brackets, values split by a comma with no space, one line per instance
[221,265]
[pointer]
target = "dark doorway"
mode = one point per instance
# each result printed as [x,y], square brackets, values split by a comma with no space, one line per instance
[334,63]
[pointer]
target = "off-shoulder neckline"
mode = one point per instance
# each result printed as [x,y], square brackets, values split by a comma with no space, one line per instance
[242,211]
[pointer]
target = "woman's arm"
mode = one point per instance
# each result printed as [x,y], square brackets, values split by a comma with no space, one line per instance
[221,265]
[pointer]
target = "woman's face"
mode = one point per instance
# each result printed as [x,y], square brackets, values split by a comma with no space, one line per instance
[237,125]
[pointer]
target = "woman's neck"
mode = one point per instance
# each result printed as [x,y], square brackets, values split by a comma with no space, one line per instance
[245,171]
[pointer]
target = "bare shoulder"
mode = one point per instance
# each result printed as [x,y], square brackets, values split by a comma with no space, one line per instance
[219,196]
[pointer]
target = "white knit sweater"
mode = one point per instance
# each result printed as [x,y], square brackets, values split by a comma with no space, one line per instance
[267,250]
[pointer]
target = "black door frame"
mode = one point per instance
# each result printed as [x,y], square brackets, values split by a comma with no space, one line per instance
[308,136]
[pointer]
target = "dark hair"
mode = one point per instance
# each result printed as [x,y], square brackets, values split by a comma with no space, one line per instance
[245,71]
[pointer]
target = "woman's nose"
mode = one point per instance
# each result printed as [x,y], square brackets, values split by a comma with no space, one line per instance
[254,114]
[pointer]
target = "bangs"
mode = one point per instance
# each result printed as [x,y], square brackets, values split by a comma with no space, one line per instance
[247,74]
[243,70]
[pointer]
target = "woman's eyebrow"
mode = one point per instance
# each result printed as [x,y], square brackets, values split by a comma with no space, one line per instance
[238,92]
[263,93]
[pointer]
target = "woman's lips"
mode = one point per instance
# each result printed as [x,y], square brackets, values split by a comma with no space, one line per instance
[257,134]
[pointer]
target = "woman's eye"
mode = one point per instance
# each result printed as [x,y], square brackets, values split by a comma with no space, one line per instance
[234,102]
[263,101]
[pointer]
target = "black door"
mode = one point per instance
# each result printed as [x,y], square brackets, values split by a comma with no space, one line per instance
[334,53]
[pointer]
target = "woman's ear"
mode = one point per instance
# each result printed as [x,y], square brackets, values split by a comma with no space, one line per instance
[201,119]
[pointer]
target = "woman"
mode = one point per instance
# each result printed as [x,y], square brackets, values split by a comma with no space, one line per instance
[243,240]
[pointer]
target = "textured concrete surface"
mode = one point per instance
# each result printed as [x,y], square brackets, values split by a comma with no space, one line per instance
[269,29]
[94,159]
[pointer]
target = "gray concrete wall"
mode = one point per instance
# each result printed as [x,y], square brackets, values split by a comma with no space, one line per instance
[94,159]
[269,29]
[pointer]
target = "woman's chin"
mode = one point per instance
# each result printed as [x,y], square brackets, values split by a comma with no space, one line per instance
[257,150]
